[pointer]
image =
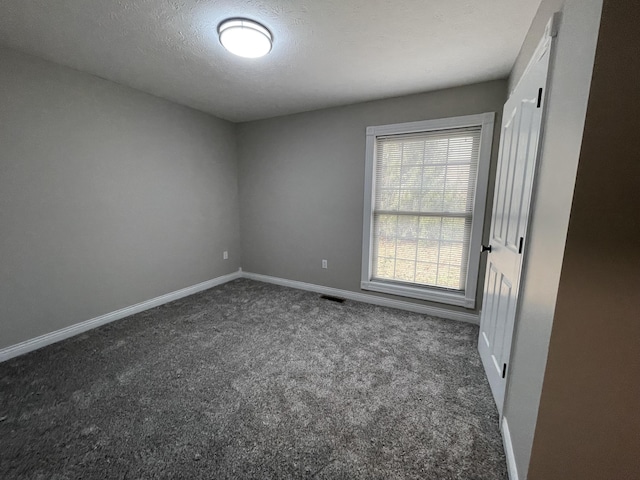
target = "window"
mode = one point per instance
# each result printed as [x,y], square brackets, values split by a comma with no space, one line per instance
[426,186]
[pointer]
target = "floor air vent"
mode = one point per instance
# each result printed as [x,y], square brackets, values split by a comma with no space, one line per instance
[333,299]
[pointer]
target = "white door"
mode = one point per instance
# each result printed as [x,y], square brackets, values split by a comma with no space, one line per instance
[521,125]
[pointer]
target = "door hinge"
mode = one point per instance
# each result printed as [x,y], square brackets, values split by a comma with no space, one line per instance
[504,370]
[520,245]
[539,97]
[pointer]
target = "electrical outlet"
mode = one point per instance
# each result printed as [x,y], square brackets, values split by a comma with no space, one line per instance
[225,255]
[324,264]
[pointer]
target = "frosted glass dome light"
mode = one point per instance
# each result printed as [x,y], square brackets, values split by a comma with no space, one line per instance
[245,38]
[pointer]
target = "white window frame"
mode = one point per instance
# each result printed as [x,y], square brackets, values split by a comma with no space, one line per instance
[466,298]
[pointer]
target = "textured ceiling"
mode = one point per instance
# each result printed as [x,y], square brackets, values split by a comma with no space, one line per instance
[325,53]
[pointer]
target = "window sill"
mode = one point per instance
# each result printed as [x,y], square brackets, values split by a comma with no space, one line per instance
[458,299]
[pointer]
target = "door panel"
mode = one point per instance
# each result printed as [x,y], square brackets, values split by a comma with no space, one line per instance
[498,221]
[521,126]
[519,173]
[491,306]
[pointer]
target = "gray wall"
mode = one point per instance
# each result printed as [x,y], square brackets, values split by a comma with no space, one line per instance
[588,422]
[108,197]
[302,181]
[570,79]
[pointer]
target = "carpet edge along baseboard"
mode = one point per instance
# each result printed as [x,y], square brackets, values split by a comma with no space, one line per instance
[78,328]
[84,326]
[430,310]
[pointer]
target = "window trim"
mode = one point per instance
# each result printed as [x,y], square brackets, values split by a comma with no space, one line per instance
[467,298]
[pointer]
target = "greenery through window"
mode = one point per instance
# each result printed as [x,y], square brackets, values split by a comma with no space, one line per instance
[424,194]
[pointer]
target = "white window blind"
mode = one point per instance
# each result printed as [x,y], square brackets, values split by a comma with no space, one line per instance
[424,193]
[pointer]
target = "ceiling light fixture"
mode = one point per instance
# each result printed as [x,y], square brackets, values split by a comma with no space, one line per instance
[245,38]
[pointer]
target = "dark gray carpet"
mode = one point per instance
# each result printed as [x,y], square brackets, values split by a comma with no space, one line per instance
[250,380]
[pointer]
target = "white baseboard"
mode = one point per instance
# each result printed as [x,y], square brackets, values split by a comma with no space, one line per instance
[373,299]
[67,332]
[512,468]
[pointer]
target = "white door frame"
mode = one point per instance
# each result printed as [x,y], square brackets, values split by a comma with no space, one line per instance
[548,41]
[546,44]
